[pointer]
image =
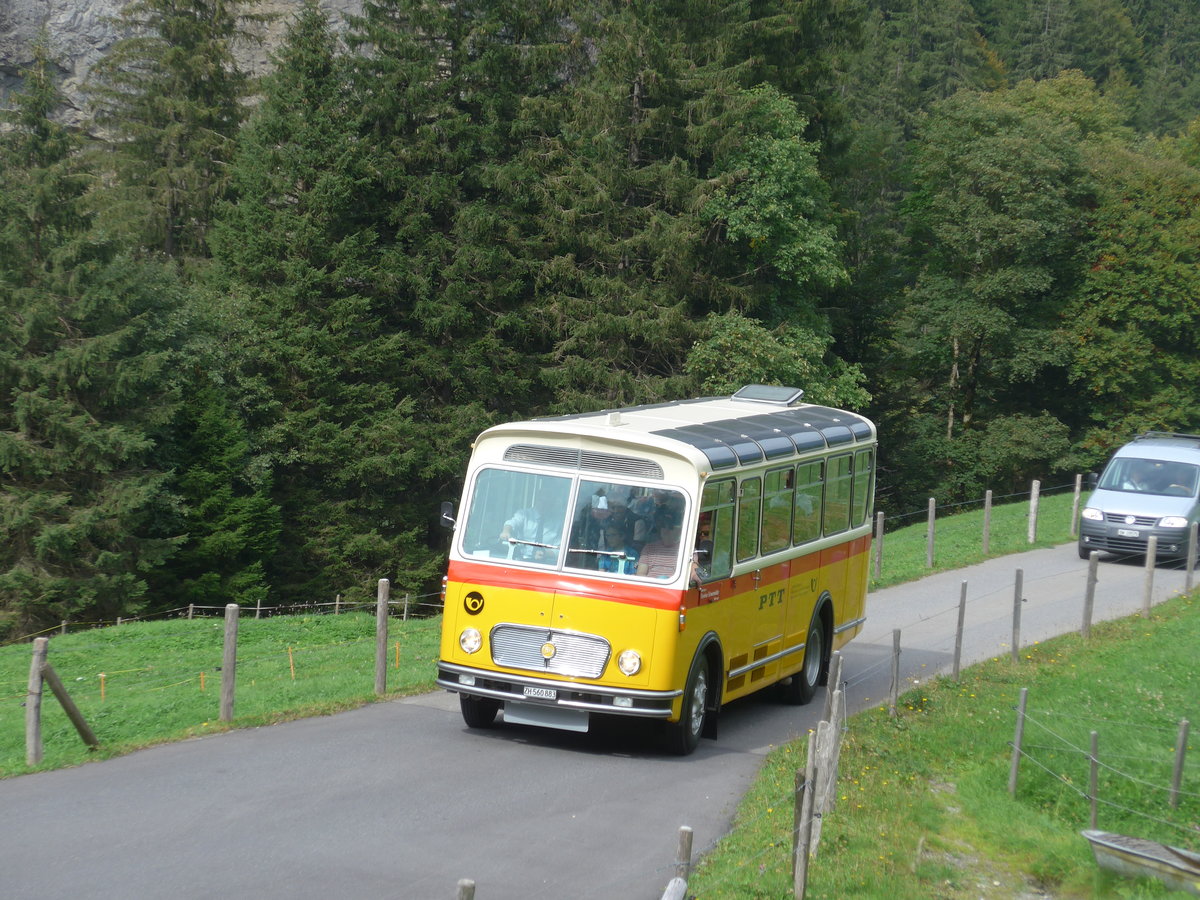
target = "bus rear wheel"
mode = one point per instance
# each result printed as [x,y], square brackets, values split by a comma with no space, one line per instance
[478,712]
[799,689]
[683,737]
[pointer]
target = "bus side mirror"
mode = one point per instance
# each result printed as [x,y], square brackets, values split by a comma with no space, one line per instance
[448,520]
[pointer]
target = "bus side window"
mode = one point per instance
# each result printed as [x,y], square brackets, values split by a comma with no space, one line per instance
[810,481]
[716,507]
[777,510]
[864,483]
[749,513]
[837,495]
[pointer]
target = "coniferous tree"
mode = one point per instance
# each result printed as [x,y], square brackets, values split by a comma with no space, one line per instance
[169,96]
[87,384]
[322,358]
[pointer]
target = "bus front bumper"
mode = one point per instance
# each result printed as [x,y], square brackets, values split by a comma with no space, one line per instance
[509,688]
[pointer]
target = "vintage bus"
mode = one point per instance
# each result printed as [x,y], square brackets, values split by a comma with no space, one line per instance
[657,561]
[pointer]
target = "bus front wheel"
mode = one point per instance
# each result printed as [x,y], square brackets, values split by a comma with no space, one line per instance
[478,712]
[683,737]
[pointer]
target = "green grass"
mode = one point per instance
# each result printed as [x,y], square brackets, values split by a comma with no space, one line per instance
[162,680]
[923,809]
[958,538]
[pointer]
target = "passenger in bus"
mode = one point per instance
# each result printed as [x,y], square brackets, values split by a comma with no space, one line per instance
[620,518]
[616,541]
[650,512]
[660,558]
[533,526]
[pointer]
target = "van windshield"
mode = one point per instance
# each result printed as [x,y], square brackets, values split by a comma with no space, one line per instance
[1151,476]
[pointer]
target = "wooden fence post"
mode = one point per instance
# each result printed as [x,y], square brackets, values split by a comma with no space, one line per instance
[466,889]
[683,857]
[1191,557]
[1191,565]
[1180,754]
[381,634]
[1089,595]
[60,691]
[33,703]
[1151,562]
[1034,497]
[987,522]
[895,693]
[1094,778]
[929,533]
[806,791]
[1016,624]
[958,632]
[1075,506]
[229,662]
[878,544]
[834,679]
[1017,737]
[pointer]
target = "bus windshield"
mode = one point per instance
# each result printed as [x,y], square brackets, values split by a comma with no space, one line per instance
[606,527]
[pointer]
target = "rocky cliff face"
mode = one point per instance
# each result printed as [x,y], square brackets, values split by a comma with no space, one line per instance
[80,31]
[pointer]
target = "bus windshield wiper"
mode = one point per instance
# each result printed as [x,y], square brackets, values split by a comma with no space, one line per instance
[513,540]
[616,554]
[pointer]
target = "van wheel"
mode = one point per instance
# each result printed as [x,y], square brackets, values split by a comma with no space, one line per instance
[800,688]
[478,712]
[1084,552]
[683,737]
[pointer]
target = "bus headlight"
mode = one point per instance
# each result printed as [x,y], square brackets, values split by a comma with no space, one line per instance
[470,640]
[1173,522]
[629,662]
[1093,515]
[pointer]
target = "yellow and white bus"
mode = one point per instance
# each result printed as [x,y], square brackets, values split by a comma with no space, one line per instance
[657,561]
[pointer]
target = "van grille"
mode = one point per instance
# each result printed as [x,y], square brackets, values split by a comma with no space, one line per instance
[576,655]
[1142,521]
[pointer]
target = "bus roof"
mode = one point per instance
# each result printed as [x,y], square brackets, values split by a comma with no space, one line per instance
[757,424]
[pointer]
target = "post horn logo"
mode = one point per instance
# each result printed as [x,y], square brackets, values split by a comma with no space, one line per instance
[473,603]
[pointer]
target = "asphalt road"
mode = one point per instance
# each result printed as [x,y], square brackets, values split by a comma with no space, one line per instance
[399,800]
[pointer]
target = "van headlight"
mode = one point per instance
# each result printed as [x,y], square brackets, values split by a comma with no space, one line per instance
[1173,522]
[1092,514]
[470,640]
[629,662]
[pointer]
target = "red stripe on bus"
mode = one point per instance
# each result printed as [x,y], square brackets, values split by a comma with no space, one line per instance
[644,594]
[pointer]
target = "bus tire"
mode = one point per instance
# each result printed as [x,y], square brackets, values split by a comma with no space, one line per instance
[478,712]
[683,737]
[799,689]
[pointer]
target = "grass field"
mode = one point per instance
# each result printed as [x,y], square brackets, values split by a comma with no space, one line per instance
[144,683]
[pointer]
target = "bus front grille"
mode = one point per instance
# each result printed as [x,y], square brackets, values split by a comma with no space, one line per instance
[545,650]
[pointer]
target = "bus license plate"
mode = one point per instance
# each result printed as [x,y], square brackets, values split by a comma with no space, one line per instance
[541,693]
[1128,532]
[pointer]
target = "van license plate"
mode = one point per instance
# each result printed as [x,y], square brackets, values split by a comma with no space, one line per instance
[541,693]
[1128,532]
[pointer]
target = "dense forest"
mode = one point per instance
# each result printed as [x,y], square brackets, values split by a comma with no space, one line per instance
[252,326]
